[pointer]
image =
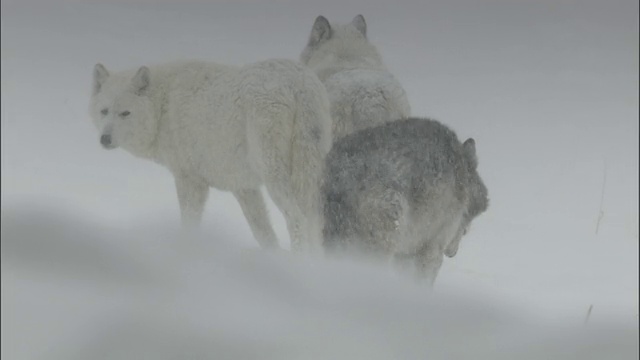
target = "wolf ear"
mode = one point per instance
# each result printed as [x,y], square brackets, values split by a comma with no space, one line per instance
[321,31]
[140,80]
[100,75]
[469,149]
[360,24]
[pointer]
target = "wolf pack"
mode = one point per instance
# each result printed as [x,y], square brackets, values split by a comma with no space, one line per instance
[330,137]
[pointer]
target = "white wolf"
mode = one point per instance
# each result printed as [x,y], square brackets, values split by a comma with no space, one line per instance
[361,90]
[407,190]
[230,128]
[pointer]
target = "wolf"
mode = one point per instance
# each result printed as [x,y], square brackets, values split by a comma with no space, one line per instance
[361,90]
[232,128]
[404,191]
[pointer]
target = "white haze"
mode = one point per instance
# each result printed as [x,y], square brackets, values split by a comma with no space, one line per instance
[93,266]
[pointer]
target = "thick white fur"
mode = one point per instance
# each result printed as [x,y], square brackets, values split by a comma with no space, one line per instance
[361,90]
[230,128]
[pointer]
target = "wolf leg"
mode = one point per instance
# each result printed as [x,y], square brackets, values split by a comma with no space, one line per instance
[295,224]
[295,232]
[255,211]
[428,263]
[192,196]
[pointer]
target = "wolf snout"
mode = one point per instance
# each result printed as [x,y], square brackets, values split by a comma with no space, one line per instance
[105,141]
[450,252]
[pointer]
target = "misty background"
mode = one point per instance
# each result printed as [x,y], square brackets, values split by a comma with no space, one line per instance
[548,89]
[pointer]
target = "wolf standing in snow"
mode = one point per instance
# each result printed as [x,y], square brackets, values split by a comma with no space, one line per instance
[406,190]
[361,90]
[230,128]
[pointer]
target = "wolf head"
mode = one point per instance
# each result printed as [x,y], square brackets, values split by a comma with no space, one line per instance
[478,195]
[340,47]
[122,110]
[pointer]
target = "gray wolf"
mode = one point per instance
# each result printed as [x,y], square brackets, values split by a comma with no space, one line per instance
[361,90]
[404,191]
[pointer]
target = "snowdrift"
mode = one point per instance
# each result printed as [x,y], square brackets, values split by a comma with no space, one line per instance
[76,290]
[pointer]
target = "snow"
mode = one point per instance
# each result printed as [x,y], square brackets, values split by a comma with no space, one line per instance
[93,264]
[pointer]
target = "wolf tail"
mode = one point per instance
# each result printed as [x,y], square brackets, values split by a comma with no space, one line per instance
[311,141]
[289,131]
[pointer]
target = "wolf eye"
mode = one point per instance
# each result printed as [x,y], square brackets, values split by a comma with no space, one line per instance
[104,111]
[125,113]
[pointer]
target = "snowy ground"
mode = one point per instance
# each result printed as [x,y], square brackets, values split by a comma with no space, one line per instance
[93,268]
